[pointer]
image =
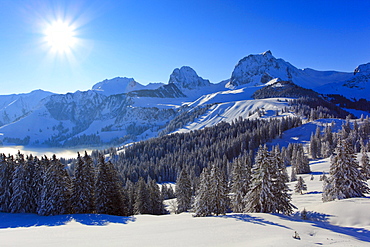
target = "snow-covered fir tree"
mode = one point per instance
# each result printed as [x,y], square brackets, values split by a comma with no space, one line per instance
[299,160]
[142,199]
[365,163]
[156,206]
[6,176]
[202,206]
[83,199]
[300,186]
[241,175]
[280,188]
[56,192]
[20,186]
[260,197]
[345,179]
[268,192]
[219,200]
[183,192]
[109,197]
[34,173]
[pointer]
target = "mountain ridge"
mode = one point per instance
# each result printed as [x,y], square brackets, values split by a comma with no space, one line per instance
[122,110]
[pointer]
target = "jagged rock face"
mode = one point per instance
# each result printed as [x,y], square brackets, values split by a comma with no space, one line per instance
[165,91]
[361,78]
[261,68]
[186,77]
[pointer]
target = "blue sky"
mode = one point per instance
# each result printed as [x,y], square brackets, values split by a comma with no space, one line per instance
[147,39]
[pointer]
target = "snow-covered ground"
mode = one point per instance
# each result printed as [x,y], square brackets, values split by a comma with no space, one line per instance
[338,223]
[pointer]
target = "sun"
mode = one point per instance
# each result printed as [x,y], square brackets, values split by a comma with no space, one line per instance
[60,36]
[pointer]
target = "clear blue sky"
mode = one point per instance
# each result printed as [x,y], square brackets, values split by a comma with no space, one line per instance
[147,39]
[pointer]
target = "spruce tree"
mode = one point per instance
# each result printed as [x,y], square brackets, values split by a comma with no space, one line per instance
[6,177]
[155,198]
[345,179]
[20,186]
[55,195]
[260,197]
[365,163]
[34,179]
[142,198]
[300,186]
[183,192]
[202,206]
[83,200]
[280,188]
[241,175]
[109,195]
[218,190]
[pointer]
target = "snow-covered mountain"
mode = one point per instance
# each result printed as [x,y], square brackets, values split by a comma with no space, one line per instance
[122,110]
[187,78]
[355,87]
[15,106]
[120,85]
[261,68]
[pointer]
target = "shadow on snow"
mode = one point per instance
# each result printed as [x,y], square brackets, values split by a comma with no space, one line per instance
[8,220]
[322,221]
[252,219]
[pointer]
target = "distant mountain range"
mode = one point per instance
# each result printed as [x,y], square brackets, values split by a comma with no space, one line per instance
[121,110]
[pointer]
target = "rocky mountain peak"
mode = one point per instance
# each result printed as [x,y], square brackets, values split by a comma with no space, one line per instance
[363,68]
[117,85]
[186,77]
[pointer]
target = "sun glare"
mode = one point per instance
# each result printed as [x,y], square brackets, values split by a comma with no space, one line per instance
[60,36]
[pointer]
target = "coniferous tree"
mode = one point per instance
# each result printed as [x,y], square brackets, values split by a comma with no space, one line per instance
[34,173]
[142,199]
[280,188]
[20,185]
[6,176]
[156,206]
[365,163]
[130,192]
[241,175]
[300,186]
[345,179]
[83,199]
[293,174]
[260,197]
[183,192]
[314,146]
[218,191]
[300,161]
[55,195]
[201,206]
[109,195]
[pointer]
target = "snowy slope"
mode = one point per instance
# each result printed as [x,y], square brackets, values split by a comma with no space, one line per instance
[231,110]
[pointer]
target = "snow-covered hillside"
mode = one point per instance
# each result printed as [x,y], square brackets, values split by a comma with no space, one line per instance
[338,223]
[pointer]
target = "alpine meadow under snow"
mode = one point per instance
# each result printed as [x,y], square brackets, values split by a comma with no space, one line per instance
[273,156]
